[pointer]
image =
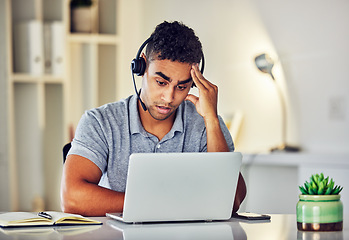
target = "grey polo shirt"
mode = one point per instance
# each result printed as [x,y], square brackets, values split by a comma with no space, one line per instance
[108,135]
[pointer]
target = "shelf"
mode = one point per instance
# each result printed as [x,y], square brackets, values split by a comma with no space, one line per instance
[340,160]
[52,79]
[28,78]
[93,38]
[24,78]
[43,107]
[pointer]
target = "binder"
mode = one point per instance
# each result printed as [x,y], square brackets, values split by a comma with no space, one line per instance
[28,50]
[47,48]
[57,47]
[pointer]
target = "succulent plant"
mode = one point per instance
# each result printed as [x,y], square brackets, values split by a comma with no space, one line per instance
[319,185]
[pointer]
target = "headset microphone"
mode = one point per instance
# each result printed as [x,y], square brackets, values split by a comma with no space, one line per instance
[139,97]
[138,66]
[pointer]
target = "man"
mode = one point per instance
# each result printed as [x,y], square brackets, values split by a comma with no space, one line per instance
[95,172]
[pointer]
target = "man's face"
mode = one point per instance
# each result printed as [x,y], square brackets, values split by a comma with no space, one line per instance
[164,87]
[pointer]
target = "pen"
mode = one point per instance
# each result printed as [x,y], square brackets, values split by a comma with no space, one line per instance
[44,215]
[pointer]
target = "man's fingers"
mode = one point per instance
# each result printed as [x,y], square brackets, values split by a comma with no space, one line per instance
[196,79]
[197,76]
[192,98]
[199,79]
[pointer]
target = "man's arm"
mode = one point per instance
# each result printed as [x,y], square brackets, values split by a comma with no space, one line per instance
[80,192]
[206,106]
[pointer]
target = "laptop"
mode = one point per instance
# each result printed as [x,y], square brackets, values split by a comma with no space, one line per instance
[172,187]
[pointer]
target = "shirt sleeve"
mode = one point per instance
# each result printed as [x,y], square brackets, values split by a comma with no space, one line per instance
[226,134]
[90,140]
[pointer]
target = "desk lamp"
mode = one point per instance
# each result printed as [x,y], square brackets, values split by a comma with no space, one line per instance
[265,64]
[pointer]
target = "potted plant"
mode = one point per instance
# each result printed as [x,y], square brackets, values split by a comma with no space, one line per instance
[83,16]
[319,207]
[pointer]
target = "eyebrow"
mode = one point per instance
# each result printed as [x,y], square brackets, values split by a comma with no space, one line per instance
[170,80]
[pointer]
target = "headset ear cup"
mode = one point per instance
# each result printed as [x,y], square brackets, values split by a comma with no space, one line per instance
[142,66]
[135,66]
[138,66]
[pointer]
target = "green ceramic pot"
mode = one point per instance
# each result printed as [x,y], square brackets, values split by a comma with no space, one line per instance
[320,213]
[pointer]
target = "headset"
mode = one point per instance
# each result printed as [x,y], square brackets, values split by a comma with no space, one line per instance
[138,66]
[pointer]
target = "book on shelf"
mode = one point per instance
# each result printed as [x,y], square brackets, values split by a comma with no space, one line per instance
[28,51]
[57,46]
[39,47]
[47,47]
[52,218]
[54,47]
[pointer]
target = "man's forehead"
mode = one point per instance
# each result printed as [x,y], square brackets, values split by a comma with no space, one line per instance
[165,62]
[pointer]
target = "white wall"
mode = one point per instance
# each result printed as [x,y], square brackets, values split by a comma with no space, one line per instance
[309,40]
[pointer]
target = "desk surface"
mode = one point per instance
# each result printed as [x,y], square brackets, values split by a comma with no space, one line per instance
[280,227]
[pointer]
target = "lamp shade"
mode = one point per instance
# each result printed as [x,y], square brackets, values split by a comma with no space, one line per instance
[265,64]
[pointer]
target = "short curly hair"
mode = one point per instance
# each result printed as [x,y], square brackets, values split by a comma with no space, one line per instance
[174,41]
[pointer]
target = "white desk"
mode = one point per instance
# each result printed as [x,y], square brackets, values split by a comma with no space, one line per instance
[280,227]
[272,179]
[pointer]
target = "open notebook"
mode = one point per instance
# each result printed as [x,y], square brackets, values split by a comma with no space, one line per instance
[180,187]
[23,219]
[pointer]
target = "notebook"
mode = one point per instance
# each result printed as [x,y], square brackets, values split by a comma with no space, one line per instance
[50,218]
[166,187]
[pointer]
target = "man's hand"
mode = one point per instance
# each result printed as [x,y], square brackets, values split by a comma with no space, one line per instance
[206,103]
[206,106]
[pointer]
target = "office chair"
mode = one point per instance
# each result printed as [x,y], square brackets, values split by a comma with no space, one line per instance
[66,149]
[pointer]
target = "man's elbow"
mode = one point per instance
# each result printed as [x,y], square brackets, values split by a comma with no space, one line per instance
[69,202]
[68,206]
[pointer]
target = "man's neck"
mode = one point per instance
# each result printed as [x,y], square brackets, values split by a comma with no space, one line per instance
[158,128]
